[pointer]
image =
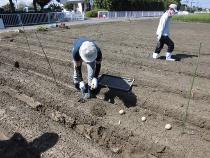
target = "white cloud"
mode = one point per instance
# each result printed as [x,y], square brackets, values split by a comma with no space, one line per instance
[27,2]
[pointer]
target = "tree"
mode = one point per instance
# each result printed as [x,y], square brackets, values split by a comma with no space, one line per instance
[168,2]
[69,6]
[55,8]
[34,4]
[12,6]
[41,3]
[21,6]
[134,5]
[6,7]
[1,10]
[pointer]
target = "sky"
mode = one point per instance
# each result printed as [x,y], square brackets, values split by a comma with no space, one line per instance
[27,2]
[200,3]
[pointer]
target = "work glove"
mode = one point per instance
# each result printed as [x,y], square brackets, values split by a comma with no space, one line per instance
[82,86]
[158,37]
[94,83]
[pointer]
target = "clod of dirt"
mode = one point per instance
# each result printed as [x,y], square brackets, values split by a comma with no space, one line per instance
[2,112]
[143,119]
[116,150]
[207,137]
[57,116]
[160,148]
[168,126]
[121,112]
[42,29]
[17,65]
[98,110]
[20,31]
[101,97]
[30,101]
[82,100]
[119,122]
[12,108]
[135,110]
[85,130]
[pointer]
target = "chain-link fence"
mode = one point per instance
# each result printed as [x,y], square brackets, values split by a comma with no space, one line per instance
[39,18]
[128,14]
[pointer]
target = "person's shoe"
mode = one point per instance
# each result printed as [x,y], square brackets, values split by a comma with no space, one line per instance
[88,95]
[155,55]
[76,85]
[168,57]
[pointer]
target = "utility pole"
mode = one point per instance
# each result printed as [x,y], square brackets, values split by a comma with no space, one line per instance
[191,5]
[91,4]
[16,4]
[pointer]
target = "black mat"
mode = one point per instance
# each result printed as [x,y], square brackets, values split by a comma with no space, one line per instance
[115,82]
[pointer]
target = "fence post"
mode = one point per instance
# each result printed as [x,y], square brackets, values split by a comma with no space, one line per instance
[48,16]
[19,20]
[1,23]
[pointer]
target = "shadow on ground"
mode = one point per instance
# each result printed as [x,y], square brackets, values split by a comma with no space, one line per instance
[179,57]
[118,88]
[129,99]
[18,147]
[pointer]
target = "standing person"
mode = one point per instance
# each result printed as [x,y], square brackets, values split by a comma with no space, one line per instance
[163,33]
[85,50]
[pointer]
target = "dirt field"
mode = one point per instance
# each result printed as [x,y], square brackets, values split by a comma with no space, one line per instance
[41,119]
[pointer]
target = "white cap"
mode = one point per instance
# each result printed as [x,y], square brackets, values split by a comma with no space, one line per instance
[88,51]
[174,7]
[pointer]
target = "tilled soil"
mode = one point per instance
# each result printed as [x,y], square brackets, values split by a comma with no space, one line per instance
[43,118]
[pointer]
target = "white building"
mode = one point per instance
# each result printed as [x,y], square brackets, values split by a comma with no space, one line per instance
[79,5]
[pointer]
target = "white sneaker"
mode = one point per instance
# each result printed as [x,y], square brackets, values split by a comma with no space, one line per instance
[155,55]
[168,57]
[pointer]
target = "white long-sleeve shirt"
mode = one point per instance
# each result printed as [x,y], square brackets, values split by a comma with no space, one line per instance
[164,25]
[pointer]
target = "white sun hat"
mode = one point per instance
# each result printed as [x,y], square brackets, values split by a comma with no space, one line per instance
[88,51]
[174,7]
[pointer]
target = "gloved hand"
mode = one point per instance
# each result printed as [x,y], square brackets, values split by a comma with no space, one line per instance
[82,86]
[158,37]
[94,83]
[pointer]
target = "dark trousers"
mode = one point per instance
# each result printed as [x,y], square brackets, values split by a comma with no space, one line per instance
[164,40]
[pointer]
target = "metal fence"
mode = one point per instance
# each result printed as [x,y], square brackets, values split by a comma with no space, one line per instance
[129,14]
[39,18]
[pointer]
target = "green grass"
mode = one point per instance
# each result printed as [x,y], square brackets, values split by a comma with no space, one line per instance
[205,18]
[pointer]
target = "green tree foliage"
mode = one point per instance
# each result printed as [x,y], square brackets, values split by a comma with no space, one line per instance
[134,5]
[105,4]
[34,4]
[69,6]
[42,3]
[54,8]
[168,2]
[6,8]
[12,6]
